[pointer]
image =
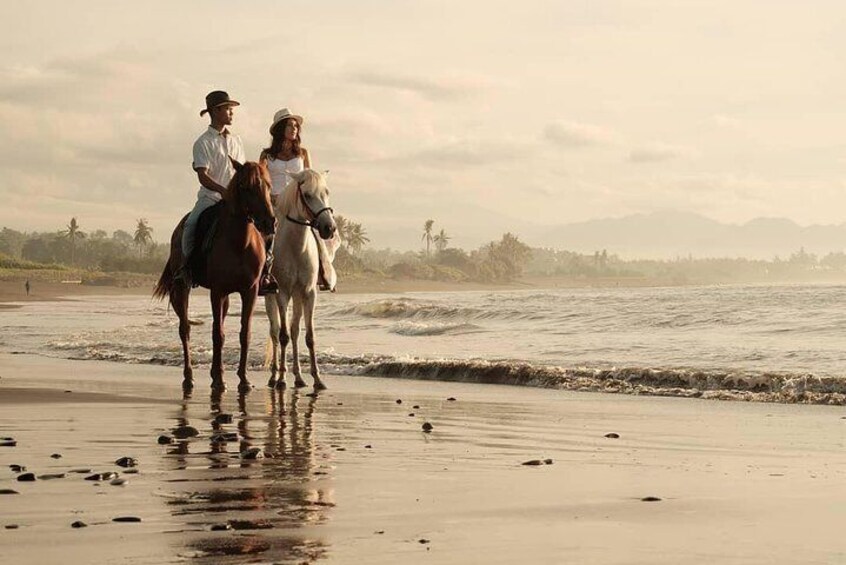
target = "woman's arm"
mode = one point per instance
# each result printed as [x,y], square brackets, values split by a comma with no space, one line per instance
[306,159]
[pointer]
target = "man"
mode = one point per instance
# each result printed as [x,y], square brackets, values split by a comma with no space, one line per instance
[212,153]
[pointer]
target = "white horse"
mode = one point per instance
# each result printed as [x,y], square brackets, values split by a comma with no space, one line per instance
[303,206]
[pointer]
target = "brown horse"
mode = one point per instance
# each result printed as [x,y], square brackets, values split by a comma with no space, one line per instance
[233,264]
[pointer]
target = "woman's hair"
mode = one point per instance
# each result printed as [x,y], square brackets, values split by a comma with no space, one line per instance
[278,134]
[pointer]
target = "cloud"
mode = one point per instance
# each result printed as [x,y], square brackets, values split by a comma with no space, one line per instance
[435,89]
[658,153]
[576,135]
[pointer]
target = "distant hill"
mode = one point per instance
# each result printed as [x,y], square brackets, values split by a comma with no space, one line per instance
[668,234]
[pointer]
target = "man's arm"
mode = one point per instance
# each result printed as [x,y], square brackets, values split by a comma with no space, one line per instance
[209,182]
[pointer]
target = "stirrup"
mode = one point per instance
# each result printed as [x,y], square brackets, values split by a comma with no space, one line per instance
[268,285]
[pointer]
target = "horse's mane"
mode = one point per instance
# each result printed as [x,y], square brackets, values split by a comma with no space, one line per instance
[288,202]
[249,174]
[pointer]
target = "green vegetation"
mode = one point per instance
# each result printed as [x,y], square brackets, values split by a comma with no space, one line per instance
[123,259]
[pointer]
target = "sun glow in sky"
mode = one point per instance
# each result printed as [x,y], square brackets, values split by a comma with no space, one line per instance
[484,115]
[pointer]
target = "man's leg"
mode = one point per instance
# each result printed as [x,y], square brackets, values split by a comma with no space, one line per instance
[188,236]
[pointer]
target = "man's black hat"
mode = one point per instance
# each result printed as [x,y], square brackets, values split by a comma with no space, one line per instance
[218,98]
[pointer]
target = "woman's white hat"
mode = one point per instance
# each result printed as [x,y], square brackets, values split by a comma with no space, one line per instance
[283,114]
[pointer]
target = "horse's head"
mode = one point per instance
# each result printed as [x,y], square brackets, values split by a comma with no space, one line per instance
[312,201]
[249,194]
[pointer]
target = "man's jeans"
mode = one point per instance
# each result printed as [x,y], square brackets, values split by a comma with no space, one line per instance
[188,232]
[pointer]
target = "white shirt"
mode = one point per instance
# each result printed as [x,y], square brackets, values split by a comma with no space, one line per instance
[211,152]
[279,170]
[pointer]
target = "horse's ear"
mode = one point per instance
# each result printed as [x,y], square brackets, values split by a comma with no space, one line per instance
[236,164]
[299,177]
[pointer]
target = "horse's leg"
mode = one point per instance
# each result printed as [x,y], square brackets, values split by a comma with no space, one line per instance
[310,300]
[282,300]
[179,301]
[218,301]
[248,302]
[272,309]
[296,316]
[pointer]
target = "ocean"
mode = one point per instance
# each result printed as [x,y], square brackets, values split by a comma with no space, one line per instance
[765,343]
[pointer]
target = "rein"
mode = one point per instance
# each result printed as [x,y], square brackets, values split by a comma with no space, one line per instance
[314,215]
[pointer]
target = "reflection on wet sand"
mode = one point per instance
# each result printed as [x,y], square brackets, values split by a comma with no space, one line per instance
[252,481]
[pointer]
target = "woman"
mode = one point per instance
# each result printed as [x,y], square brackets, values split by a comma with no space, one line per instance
[287,155]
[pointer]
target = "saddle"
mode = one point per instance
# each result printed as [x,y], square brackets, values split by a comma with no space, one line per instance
[203,241]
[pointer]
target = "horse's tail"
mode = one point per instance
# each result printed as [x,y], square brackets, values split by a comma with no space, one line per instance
[165,284]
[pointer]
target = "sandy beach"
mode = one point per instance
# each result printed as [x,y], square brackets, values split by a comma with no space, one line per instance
[350,477]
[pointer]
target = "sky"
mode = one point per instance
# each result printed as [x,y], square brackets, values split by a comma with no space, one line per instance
[484,115]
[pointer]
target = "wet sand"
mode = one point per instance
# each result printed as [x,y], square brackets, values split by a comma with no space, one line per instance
[351,477]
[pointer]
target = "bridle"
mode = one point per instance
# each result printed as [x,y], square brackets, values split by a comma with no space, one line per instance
[310,222]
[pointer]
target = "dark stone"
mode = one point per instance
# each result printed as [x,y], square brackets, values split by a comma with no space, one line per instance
[51,476]
[368,446]
[80,471]
[650,499]
[399,400]
[252,453]
[533,462]
[416,407]
[7,442]
[126,462]
[102,476]
[26,477]
[56,455]
[411,414]
[17,468]
[12,526]
[116,482]
[220,527]
[7,491]
[547,461]
[423,541]
[427,427]
[612,435]
[223,419]
[184,432]
[164,440]
[79,524]
[131,472]
[126,519]
[451,399]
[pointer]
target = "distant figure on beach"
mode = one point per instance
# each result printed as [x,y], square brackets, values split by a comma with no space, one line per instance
[213,152]
[27,286]
[286,155]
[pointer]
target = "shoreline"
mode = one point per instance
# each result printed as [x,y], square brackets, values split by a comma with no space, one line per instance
[350,477]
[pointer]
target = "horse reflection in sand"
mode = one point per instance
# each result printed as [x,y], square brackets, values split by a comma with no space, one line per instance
[270,503]
[303,206]
[233,264]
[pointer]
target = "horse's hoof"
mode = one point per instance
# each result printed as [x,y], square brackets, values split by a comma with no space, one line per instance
[318,385]
[244,386]
[299,383]
[218,384]
[271,383]
[280,384]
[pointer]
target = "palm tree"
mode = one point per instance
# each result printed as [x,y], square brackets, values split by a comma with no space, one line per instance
[427,234]
[441,240]
[342,225]
[357,237]
[143,235]
[72,233]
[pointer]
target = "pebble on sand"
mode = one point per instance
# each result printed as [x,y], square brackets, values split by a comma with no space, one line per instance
[184,432]
[12,526]
[427,427]
[451,399]
[51,476]
[612,435]
[79,524]
[8,442]
[220,527]
[164,440]
[536,462]
[7,491]
[223,419]
[650,499]
[17,468]
[252,453]
[126,519]
[423,541]
[399,400]
[118,482]
[416,407]
[126,462]
[102,476]
[56,455]
[26,477]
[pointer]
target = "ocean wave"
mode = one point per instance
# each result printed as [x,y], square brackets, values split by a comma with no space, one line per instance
[759,387]
[431,329]
[407,308]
